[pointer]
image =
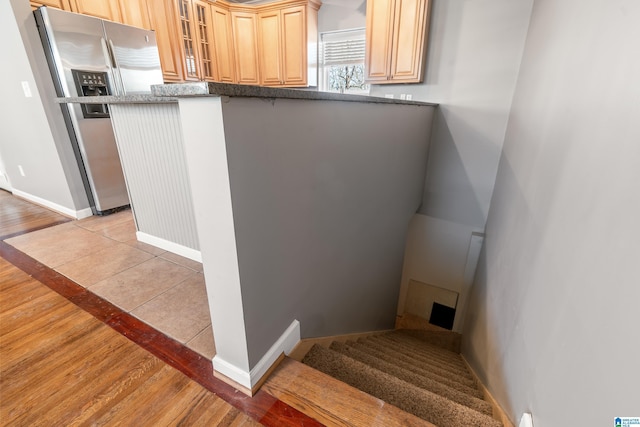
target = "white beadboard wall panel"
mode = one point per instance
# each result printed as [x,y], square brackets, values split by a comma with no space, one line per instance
[149,138]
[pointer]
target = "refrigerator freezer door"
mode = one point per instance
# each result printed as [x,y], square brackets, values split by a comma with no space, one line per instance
[76,42]
[136,57]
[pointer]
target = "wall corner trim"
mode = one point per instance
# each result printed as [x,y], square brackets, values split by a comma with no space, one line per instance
[83,213]
[249,380]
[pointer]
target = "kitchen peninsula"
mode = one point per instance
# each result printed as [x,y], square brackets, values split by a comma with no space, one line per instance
[297,202]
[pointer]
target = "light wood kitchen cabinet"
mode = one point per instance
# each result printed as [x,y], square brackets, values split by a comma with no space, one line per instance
[270,48]
[105,9]
[58,4]
[135,13]
[202,16]
[246,47]
[163,18]
[283,37]
[225,65]
[189,48]
[396,39]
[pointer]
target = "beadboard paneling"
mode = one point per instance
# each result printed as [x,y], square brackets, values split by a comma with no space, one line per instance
[149,139]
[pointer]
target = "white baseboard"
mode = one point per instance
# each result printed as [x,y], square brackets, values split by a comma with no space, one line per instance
[184,251]
[287,342]
[84,213]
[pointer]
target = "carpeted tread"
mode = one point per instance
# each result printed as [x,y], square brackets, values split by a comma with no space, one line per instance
[421,351]
[408,397]
[450,361]
[434,368]
[448,340]
[410,377]
[424,347]
[426,362]
[398,360]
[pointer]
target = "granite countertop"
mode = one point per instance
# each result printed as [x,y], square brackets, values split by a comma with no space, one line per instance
[172,92]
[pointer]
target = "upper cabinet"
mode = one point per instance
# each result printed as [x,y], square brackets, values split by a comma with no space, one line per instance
[396,39]
[204,40]
[223,47]
[105,9]
[135,13]
[246,47]
[284,34]
[190,53]
[163,17]
[58,4]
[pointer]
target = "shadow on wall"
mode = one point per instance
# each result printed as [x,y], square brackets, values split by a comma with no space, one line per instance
[450,193]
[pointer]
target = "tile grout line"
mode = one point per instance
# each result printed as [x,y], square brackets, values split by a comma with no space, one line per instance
[263,407]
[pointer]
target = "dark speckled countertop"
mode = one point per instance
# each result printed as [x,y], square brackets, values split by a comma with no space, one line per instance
[172,92]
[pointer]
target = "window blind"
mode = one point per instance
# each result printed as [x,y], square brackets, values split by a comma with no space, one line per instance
[342,47]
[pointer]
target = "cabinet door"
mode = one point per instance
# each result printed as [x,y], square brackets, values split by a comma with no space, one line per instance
[380,17]
[190,58]
[270,48]
[408,41]
[135,13]
[204,39]
[294,46]
[162,14]
[223,44]
[244,37]
[105,9]
[58,4]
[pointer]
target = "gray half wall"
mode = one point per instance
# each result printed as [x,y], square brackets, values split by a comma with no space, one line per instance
[322,196]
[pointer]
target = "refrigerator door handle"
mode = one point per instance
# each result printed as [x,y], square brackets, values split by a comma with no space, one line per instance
[112,64]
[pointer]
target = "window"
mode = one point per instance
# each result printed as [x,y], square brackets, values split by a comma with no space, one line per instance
[342,62]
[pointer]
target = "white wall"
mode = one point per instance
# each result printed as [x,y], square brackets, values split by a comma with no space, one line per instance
[553,321]
[32,132]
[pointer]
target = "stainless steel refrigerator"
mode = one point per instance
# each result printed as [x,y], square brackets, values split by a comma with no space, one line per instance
[88,56]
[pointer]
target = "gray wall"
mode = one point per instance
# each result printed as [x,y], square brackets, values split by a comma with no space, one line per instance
[32,129]
[553,321]
[342,15]
[473,57]
[322,197]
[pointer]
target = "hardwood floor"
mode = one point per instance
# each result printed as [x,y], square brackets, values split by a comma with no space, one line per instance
[61,366]
[18,216]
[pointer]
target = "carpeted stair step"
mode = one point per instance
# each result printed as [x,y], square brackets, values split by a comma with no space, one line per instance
[430,365]
[448,340]
[408,397]
[410,377]
[407,363]
[423,346]
[445,360]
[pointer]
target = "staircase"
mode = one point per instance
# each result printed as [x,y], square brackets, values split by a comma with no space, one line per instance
[420,372]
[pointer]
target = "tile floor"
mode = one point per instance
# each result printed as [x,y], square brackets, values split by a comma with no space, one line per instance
[162,289]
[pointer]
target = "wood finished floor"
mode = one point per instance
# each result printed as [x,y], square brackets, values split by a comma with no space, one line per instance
[61,366]
[70,358]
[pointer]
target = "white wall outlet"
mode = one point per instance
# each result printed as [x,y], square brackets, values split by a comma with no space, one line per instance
[409,96]
[26,89]
[403,96]
[21,170]
[526,420]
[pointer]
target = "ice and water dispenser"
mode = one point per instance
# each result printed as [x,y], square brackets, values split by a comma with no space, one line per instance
[92,83]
